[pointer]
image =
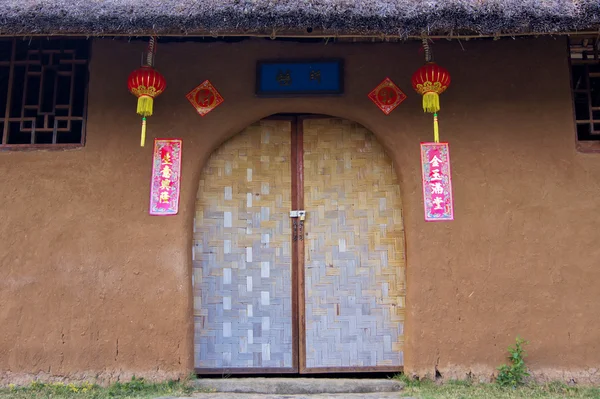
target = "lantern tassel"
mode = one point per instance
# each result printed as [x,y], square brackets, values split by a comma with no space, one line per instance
[436,129]
[145,105]
[143,140]
[431,102]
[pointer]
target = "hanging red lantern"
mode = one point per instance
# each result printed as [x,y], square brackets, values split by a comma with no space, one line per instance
[430,81]
[146,83]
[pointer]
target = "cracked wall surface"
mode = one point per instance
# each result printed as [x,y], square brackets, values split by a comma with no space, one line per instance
[91,286]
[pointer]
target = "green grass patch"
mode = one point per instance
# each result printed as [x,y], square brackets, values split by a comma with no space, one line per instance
[427,389]
[136,388]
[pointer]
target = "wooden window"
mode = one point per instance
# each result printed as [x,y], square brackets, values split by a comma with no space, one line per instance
[43,93]
[585,83]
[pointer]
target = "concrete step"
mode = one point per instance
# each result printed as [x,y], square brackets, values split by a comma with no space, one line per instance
[379,395]
[298,386]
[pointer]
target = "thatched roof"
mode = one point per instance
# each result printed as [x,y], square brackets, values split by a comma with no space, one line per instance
[380,17]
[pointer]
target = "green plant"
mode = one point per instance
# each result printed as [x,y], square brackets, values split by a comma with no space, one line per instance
[460,383]
[557,387]
[406,380]
[514,374]
[413,382]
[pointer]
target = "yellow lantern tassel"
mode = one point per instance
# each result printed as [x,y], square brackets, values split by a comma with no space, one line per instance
[143,141]
[431,102]
[436,129]
[145,105]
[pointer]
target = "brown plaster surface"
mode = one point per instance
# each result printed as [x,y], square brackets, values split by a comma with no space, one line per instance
[90,284]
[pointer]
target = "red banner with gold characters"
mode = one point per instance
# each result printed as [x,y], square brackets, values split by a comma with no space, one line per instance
[437,182]
[166,174]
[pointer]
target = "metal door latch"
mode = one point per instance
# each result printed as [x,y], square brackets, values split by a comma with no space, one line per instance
[298,227]
[298,214]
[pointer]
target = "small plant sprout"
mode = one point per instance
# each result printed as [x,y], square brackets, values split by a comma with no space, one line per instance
[514,374]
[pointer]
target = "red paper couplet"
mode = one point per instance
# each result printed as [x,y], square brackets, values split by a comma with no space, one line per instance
[437,182]
[166,175]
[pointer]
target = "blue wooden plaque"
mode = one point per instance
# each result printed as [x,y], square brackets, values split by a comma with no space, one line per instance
[299,78]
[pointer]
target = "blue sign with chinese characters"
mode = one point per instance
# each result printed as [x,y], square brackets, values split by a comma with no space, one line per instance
[299,78]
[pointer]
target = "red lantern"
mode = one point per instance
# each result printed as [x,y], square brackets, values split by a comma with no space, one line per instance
[146,84]
[430,81]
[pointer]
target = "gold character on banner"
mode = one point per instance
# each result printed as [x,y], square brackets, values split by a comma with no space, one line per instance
[435,175]
[435,161]
[205,98]
[166,172]
[167,159]
[315,75]
[164,197]
[165,184]
[437,188]
[284,79]
[387,96]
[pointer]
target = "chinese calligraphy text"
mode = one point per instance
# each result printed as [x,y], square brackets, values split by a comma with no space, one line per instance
[284,79]
[437,182]
[166,173]
[299,78]
[315,75]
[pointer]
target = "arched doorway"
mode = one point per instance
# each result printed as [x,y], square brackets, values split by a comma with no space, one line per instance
[278,292]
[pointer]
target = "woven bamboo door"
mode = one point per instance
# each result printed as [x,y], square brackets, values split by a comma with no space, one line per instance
[275,294]
[354,286]
[242,267]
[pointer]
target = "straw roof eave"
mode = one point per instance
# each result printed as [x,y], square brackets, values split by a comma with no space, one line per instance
[400,18]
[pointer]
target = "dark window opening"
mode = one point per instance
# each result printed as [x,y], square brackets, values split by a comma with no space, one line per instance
[43,92]
[585,83]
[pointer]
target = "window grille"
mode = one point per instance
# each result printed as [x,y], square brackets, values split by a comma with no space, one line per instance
[585,80]
[43,92]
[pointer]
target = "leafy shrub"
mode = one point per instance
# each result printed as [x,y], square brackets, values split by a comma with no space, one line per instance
[514,374]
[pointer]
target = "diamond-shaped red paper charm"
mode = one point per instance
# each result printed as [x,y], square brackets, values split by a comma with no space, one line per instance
[205,98]
[387,96]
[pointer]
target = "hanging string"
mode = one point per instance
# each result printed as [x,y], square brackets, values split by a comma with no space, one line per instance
[147,102]
[427,49]
[429,58]
[151,51]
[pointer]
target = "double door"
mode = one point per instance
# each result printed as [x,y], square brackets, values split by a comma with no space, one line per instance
[278,292]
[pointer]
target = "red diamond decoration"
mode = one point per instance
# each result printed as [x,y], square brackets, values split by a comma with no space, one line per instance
[205,98]
[387,96]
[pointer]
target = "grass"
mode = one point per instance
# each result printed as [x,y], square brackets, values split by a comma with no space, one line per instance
[426,389]
[136,388]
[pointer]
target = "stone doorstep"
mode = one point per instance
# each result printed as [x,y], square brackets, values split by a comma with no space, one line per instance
[380,395]
[298,386]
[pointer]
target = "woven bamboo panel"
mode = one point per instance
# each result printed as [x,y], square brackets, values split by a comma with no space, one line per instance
[355,263]
[242,252]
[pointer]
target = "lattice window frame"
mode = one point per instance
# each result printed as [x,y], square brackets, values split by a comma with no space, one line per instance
[584,64]
[57,121]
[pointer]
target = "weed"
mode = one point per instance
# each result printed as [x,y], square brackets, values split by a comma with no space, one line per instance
[514,374]
[460,383]
[410,382]
[136,388]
